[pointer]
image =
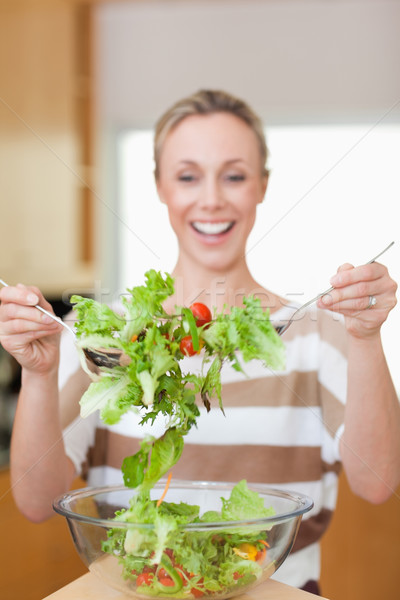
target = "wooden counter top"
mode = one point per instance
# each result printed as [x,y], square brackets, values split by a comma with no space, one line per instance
[89,587]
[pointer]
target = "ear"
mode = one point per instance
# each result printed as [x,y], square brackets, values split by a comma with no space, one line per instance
[264,185]
[160,191]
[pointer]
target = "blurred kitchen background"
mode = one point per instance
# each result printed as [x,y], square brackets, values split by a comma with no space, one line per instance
[81,85]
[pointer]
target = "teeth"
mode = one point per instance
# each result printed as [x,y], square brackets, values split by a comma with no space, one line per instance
[212,228]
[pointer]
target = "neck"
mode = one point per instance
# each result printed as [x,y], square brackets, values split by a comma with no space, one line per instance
[215,288]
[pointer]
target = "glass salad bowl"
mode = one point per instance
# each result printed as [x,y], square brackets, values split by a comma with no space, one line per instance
[169,557]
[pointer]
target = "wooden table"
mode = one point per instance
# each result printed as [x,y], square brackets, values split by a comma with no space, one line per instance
[89,587]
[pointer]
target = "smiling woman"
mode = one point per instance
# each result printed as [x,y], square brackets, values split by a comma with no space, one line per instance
[291,428]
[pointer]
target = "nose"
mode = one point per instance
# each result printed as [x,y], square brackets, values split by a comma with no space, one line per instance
[212,197]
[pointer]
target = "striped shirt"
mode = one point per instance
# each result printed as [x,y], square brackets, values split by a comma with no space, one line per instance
[280,428]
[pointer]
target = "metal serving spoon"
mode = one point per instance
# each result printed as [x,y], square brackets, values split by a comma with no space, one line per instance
[282,328]
[100,357]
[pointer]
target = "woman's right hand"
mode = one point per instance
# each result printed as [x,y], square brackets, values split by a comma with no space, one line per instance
[29,335]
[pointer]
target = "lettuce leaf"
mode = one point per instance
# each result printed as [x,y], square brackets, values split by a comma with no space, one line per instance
[111,396]
[244,504]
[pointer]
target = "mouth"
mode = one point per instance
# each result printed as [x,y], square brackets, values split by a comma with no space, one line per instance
[212,228]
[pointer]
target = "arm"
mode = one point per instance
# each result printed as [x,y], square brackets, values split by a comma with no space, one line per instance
[370,446]
[40,470]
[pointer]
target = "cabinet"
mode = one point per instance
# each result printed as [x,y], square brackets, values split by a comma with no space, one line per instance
[46,220]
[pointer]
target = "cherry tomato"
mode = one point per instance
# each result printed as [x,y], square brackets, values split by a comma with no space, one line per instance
[201,313]
[144,579]
[186,346]
[167,581]
[196,593]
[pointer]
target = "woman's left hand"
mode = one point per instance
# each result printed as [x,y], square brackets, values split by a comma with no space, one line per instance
[365,295]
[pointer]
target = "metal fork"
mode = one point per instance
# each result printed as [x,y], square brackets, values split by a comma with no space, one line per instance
[280,329]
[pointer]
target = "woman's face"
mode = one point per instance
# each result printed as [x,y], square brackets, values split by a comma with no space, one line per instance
[210,179]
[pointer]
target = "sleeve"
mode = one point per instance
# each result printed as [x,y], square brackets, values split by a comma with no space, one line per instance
[69,359]
[79,436]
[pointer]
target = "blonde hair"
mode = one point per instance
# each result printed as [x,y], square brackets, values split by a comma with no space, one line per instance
[206,102]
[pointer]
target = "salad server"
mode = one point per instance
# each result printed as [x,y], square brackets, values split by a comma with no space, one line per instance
[282,328]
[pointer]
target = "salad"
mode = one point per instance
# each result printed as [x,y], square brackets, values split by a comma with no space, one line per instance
[178,556]
[168,559]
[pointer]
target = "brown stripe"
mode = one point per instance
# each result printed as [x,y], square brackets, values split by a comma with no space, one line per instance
[311,529]
[293,389]
[332,330]
[332,411]
[278,464]
[110,449]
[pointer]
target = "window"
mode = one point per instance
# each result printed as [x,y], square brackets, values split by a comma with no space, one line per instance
[333,196]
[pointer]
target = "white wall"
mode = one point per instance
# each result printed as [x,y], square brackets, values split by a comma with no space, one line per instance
[294,60]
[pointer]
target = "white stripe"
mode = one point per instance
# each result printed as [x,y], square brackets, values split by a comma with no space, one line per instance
[333,371]
[99,476]
[277,426]
[323,493]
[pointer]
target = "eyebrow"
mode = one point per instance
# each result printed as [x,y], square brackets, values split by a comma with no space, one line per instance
[227,162]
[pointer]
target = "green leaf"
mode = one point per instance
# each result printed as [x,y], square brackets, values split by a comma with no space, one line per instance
[94,317]
[133,467]
[212,384]
[165,454]
[244,504]
[192,328]
[106,395]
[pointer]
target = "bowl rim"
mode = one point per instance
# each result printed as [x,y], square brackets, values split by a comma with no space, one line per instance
[305,504]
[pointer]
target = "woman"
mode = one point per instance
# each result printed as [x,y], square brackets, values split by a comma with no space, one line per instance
[334,402]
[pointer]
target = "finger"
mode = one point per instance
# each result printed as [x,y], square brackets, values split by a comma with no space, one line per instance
[42,300]
[10,311]
[359,292]
[345,267]
[15,327]
[347,276]
[355,306]
[19,294]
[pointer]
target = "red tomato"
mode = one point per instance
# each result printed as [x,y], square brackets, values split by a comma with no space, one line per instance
[144,579]
[186,346]
[201,313]
[196,593]
[167,581]
[161,573]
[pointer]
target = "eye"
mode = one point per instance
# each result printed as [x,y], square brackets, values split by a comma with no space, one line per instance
[235,177]
[186,177]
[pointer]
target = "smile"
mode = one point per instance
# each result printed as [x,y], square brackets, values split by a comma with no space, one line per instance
[212,228]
